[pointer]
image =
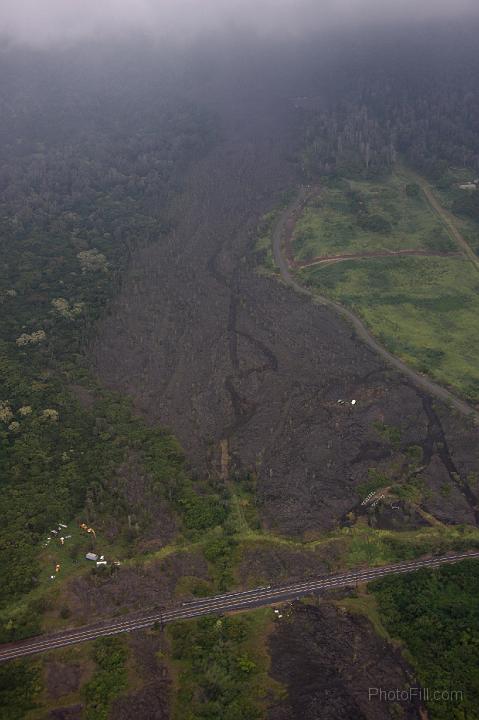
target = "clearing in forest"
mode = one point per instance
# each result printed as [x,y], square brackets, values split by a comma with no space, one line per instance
[356,216]
[424,309]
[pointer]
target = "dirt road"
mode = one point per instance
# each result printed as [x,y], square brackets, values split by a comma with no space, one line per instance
[421,381]
[330,259]
[205,345]
[446,218]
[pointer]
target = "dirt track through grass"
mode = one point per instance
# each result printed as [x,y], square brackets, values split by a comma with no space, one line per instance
[362,331]
[448,220]
[364,255]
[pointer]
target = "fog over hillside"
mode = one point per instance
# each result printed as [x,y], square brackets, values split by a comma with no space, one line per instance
[54,21]
[239,353]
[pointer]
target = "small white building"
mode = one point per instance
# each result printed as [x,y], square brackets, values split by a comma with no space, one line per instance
[91,556]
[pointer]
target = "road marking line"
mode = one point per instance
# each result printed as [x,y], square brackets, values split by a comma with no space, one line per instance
[227,602]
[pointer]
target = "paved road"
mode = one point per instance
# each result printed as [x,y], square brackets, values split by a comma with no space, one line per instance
[421,381]
[229,602]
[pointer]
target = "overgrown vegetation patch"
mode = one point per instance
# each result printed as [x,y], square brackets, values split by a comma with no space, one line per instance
[109,680]
[221,667]
[436,616]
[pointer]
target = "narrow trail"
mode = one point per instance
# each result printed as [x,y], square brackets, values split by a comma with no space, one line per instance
[447,219]
[329,259]
[362,332]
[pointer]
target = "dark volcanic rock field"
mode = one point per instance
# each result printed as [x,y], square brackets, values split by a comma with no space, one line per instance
[328,660]
[207,346]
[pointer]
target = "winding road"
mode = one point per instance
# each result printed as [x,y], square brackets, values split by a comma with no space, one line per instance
[362,332]
[229,602]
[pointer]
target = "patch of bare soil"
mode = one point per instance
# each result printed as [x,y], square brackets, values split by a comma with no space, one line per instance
[73,712]
[62,678]
[268,563]
[444,499]
[85,397]
[328,660]
[152,700]
[149,703]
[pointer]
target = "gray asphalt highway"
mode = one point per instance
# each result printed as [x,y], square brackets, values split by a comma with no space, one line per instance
[219,604]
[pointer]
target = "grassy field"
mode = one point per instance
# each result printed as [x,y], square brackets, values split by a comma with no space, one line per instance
[448,192]
[425,310]
[357,216]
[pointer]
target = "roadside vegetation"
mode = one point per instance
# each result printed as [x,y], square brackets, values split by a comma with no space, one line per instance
[263,247]
[221,667]
[263,251]
[110,678]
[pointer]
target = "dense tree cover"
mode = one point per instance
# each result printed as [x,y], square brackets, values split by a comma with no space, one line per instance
[424,106]
[436,615]
[164,478]
[220,553]
[47,464]
[86,168]
[19,683]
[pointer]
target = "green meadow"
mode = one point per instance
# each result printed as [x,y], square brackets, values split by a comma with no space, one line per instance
[357,216]
[425,310]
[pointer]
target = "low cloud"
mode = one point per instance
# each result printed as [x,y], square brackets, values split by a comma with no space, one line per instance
[42,22]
